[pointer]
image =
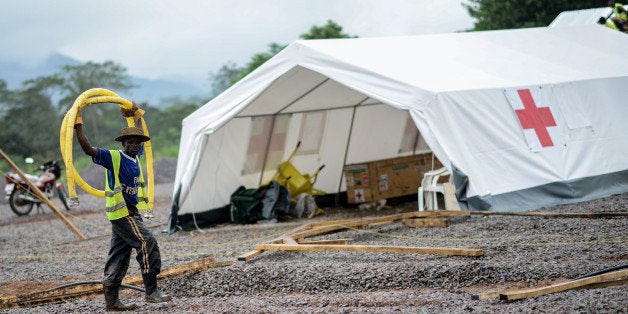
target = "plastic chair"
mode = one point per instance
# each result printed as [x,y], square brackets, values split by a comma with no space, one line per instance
[429,187]
[296,182]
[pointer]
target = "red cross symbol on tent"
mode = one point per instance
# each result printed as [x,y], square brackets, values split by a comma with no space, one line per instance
[537,118]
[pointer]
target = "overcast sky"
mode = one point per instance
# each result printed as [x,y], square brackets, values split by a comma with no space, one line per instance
[187,39]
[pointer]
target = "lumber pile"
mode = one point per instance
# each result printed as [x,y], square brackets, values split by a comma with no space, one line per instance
[295,240]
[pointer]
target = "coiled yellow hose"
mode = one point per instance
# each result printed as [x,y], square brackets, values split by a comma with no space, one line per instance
[66,135]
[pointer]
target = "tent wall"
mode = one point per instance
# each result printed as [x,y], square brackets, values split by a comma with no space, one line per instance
[455,88]
[222,162]
[377,133]
[374,126]
[556,193]
[331,152]
[487,145]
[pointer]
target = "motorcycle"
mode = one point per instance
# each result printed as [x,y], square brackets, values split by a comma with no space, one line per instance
[20,196]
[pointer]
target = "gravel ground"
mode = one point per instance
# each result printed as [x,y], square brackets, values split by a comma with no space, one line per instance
[39,252]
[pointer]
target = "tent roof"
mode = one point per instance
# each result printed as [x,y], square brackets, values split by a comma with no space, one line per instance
[407,72]
[480,60]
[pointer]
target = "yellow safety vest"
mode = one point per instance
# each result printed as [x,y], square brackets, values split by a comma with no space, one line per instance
[116,206]
[610,24]
[623,16]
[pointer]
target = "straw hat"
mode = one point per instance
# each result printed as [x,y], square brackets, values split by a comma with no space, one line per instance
[132,131]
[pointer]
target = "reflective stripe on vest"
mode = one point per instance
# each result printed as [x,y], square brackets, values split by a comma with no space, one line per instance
[142,196]
[116,206]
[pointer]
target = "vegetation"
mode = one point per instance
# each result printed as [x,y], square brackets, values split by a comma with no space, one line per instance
[231,73]
[31,119]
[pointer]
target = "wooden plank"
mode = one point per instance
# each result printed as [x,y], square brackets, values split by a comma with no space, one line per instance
[289,240]
[574,284]
[291,232]
[189,268]
[321,230]
[56,296]
[383,222]
[486,296]
[42,196]
[346,225]
[389,218]
[335,241]
[249,256]
[371,248]
[451,213]
[603,284]
[333,222]
[435,214]
[252,254]
[426,222]
[550,215]
[314,229]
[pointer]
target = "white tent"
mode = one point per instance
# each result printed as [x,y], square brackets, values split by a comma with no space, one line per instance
[469,95]
[581,17]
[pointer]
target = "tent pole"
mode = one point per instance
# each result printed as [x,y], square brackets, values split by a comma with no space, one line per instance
[303,95]
[272,129]
[418,135]
[344,161]
[270,137]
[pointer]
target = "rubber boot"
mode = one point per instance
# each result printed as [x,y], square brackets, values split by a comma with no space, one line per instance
[153,295]
[113,303]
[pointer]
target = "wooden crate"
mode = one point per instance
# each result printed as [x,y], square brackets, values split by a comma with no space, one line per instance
[387,178]
[358,182]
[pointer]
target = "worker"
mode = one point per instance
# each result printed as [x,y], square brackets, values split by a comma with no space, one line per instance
[608,23]
[125,195]
[619,15]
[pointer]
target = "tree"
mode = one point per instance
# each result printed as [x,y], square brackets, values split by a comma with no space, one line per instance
[224,78]
[509,14]
[230,73]
[30,108]
[327,31]
[31,119]
[101,120]
[75,79]
[259,59]
[4,96]
[165,138]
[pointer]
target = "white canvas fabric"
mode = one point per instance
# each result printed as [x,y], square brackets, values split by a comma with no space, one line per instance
[536,117]
[453,88]
[580,17]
